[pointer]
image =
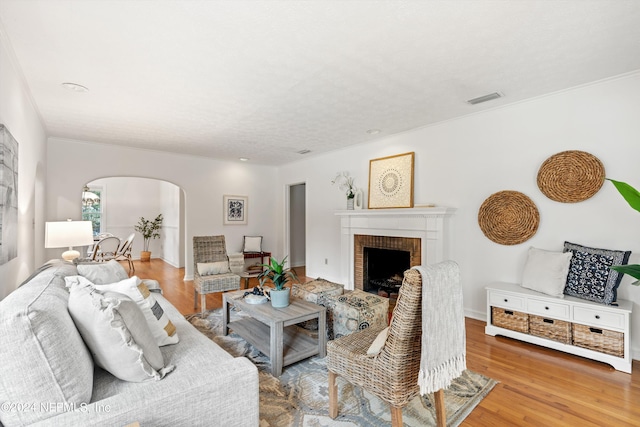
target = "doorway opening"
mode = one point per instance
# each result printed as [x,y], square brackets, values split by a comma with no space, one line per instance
[297,227]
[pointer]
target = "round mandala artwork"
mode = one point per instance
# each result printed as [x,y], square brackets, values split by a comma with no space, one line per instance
[390,182]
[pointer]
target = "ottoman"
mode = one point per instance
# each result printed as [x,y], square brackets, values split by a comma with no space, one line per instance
[357,310]
[316,291]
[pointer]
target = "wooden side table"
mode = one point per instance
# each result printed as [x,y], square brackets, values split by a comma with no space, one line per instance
[246,275]
[261,255]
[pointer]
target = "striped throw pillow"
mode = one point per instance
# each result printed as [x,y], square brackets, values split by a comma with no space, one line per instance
[161,327]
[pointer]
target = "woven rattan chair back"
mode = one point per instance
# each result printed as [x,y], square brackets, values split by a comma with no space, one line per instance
[209,249]
[399,360]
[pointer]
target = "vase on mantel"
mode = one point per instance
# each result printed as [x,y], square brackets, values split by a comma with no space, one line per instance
[358,200]
[350,203]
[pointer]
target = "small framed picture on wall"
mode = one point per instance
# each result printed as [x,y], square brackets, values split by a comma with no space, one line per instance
[235,210]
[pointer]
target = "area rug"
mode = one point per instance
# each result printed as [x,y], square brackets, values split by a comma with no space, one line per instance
[300,396]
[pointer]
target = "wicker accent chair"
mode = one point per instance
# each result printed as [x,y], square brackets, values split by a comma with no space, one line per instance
[210,249]
[392,375]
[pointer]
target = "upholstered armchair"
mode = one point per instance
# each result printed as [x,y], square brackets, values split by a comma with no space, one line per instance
[211,272]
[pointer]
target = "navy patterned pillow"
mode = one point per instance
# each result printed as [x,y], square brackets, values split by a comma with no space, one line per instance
[589,275]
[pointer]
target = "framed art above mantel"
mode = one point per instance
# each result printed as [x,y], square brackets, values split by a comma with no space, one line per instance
[391,182]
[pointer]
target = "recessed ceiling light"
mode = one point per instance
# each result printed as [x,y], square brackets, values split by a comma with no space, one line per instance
[305,151]
[75,87]
[485,98]
[244,159]
[373,131]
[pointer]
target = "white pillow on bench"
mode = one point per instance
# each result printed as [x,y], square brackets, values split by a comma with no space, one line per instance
[546,271]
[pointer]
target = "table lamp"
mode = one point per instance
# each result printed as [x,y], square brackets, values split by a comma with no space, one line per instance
[59,234]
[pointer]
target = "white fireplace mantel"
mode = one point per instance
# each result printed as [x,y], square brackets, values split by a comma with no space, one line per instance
[431,225]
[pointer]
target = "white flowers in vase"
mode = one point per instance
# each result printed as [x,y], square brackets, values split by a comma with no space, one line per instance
[345,183]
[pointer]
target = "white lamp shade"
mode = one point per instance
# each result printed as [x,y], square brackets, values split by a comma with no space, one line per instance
[61,234]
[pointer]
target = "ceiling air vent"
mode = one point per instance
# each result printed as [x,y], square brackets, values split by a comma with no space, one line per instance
[485,98]
[305,151]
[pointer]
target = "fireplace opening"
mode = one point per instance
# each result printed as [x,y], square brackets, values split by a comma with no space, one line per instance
[384,270]
[387,244]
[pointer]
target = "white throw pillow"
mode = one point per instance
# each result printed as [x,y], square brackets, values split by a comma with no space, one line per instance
[209,268]
[252,244]
[378,343]
[102,273]
[115,330]
[161,327]
[546,271]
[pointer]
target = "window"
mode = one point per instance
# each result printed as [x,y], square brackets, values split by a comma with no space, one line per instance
[92,207]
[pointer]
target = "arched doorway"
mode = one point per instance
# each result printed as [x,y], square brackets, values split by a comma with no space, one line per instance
[123,200]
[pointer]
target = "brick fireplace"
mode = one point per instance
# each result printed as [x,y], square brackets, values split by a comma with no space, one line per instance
[422,232]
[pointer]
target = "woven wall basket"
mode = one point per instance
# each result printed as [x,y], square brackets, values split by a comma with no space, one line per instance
[508,218]
[571,176]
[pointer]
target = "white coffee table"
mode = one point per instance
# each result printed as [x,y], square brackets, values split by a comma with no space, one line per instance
[273,331]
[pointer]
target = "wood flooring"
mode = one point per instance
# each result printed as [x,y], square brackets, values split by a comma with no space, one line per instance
[538,386]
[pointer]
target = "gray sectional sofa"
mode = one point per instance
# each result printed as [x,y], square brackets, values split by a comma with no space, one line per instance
[48,377]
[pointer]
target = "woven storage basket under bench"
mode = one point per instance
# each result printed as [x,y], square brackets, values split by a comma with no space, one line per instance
[573,325]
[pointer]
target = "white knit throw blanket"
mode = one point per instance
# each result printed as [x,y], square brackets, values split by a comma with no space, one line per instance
[443,332]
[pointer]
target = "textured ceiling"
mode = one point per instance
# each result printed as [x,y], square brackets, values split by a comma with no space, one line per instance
[266,79]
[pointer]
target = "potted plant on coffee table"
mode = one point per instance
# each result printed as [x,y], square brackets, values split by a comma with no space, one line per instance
[150,229]
[279,276]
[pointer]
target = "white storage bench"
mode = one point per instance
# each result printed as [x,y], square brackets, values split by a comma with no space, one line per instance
[584,328]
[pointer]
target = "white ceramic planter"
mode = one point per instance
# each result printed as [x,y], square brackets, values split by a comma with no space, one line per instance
[279,299]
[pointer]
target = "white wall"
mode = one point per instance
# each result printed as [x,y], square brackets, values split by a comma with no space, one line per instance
[21,119]
[461,162]
[126,199]
[71,164]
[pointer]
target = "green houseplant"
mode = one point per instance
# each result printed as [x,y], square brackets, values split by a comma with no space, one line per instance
[150,229]
[632,196]
[279,276]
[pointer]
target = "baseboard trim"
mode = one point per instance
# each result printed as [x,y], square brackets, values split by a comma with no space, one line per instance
[475,314]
